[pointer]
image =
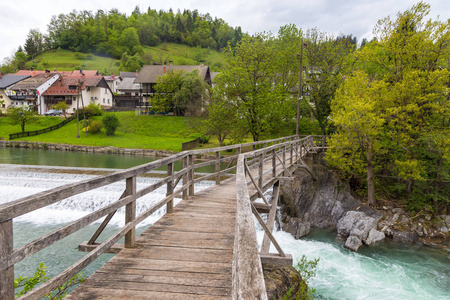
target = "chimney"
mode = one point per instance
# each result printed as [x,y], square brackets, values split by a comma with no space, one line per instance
[164,72]
[113,76]
[1,74]
[137,72]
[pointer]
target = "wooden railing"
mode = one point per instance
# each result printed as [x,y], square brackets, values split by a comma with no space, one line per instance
[248,278]
[40,131]
[10,256]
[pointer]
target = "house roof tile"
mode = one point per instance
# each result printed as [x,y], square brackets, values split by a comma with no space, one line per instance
[8,80]
[150,73]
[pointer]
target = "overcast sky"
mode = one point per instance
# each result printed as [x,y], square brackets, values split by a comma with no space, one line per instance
[357,17]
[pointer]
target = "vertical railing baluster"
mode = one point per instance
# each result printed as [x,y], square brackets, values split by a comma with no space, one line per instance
[170,188]
[291,149]
[284,159]
[274,163]
[218,167]
[130,212]
[6,248]
[191,174]
[185,178]
[261,166]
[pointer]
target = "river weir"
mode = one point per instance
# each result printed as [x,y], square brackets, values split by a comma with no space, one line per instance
[386,271]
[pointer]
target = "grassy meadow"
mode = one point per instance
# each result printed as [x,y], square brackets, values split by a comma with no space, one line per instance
[142,132]
[65,60]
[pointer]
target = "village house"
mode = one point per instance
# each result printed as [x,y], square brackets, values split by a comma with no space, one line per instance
[149,74]
[128,94]
[80,87]
[6,81]
[29,91]
[113,82]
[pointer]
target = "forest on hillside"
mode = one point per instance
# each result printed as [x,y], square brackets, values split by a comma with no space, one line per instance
[114,34]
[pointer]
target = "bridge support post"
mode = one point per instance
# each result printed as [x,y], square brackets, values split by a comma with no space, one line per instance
[218,167]
[191,174]
[274,163]
[185,179]
[170,188]
[6,248]
[271,219]
[284,159]
[261,166]
[130,212]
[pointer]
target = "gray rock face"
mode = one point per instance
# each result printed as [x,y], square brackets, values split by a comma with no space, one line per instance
[296,227]
[322,202]
[404,237]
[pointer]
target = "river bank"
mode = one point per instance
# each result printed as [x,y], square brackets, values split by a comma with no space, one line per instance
[80,148]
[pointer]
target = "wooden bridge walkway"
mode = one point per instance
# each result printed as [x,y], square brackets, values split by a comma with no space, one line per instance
[187,254]
[203,248]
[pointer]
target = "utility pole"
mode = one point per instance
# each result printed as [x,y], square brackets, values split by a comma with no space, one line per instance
[300,57]
[78,115]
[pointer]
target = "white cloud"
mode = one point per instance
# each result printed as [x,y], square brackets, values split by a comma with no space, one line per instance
[357,17]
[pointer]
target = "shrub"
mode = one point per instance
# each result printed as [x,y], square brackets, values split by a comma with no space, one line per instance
[110,122]
[204,139]
[95,126]
[93,110]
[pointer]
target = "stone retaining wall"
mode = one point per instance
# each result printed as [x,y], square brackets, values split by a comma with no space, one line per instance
[65,147]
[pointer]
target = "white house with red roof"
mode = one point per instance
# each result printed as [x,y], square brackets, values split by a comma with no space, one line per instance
[29,91]
[79,89]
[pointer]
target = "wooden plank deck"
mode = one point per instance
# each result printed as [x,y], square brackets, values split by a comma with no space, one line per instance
[185,255]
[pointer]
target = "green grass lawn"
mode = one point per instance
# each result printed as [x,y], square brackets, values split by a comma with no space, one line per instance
[142,132]
[41,122]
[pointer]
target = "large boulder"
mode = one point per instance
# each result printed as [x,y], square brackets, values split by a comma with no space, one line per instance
[359,229]
[353,243]
[374,236]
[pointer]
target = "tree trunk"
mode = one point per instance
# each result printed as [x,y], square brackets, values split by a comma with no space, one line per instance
[370,182]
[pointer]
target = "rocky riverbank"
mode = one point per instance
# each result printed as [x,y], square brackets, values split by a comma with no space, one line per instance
[327,202]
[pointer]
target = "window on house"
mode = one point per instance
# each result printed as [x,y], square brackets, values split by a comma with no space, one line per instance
[72,87]
[103,100]
[108,101]
[106,91]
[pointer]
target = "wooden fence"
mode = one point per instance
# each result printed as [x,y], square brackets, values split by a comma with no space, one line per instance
[190,145]
[10,256]
[41,131]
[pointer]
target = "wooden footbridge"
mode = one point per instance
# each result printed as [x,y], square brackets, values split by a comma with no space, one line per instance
[203,248]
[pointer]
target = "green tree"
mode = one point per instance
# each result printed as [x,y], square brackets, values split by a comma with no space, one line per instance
[110,122]
[34,44]
[223,120]
[192,95]
[21,115]
[250,81]
[62,105]
[129,39]
[356,113]
[166,87]
[326,58]
[410,56]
